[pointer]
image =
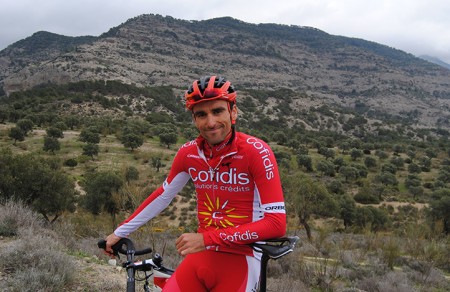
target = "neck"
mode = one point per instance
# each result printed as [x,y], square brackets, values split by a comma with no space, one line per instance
[227,140]
[214,150]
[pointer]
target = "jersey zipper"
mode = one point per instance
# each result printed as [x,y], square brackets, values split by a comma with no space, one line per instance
[215,169]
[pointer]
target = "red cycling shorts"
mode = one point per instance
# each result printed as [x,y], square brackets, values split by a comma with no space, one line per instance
[216,272]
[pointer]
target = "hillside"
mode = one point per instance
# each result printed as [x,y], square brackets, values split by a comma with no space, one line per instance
[318,68]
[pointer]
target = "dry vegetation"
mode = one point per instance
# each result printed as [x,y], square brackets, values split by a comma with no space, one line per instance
[36,256]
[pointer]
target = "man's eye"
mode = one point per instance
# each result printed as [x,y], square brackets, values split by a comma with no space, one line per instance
[199,115]
[217,111]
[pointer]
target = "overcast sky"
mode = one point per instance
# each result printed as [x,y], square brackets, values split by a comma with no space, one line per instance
[420,27]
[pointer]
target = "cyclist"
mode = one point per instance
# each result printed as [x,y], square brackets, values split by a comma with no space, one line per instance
[239,196]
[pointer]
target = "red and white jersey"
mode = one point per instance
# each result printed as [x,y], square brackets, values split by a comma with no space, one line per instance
[239,195]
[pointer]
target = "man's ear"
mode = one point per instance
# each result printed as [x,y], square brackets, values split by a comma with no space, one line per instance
[234,113]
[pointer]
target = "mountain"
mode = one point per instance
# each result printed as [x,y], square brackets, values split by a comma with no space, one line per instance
[317,68]
[435,61]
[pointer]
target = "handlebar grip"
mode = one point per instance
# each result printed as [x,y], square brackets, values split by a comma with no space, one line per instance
[102,244]
[143,251]
[118,247]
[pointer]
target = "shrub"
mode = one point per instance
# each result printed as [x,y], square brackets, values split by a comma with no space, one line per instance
[71,162]
[366,198]
[35,259]
[14,216]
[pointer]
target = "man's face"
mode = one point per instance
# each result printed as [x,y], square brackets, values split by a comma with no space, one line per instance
[213,120]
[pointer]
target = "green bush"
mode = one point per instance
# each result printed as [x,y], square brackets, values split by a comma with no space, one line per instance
[71,162]
[366,198]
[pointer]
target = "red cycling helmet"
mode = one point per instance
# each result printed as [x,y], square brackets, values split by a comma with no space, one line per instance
[209,88]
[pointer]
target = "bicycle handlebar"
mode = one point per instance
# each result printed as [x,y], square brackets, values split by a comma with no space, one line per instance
[129,247]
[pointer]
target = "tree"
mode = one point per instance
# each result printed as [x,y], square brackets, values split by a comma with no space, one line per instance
[347,210]
[326,167]
[305,161]
[425,163]
[132,140]
[37,182]
[301,150]
[440,208]
[389,167]
[381,154]
[51,144]
[398,148]
[4,114]
[131,173]
[367,195]
[60,125]
[413,180]
[309,197]
[414,168]
[156,162]
[327,152]
[16,134]
[374,218]
[339,162]
[26,125]
[398,162]
[280,137]
[90,149]
[90,135]
[55,132]
[100,188]
[336,187]
[356,153]
[168,138]
[350,173]
[72,121]
[159,117]
[386,178]
[370,162]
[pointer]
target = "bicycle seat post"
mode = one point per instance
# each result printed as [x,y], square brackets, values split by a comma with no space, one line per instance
[263,278]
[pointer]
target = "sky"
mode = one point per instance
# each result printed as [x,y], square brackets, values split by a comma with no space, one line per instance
[419,27]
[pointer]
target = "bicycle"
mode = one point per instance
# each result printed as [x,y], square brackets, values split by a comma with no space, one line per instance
[156,275]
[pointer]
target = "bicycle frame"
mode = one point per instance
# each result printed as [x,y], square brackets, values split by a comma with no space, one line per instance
[158,273]
[270,249]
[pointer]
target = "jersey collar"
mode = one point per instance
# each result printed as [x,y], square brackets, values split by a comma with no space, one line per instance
[227,146]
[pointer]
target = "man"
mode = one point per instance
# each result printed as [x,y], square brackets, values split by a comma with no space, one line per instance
[239,196]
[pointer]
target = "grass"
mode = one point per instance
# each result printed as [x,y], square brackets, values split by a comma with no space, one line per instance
[46,258]
[409,259]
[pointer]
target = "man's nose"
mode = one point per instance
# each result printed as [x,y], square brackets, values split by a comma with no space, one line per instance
[210,120]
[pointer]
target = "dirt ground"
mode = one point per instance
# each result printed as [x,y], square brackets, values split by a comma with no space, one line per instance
[93,276]
[90,273]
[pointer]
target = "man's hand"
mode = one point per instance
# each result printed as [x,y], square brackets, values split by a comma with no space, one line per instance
[190,243]
[110,241]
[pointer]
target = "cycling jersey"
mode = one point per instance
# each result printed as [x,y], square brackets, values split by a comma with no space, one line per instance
[239,195]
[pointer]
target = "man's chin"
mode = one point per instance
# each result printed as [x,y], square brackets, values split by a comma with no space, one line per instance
[214,140]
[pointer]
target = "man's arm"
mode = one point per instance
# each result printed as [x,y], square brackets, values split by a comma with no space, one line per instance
[158,200]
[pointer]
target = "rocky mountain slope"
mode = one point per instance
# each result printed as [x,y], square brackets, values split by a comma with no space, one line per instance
[320,68]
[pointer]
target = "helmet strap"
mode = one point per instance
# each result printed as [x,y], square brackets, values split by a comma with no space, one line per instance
[233,122]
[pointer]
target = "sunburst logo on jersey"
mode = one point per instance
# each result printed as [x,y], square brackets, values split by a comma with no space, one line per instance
[218,215]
